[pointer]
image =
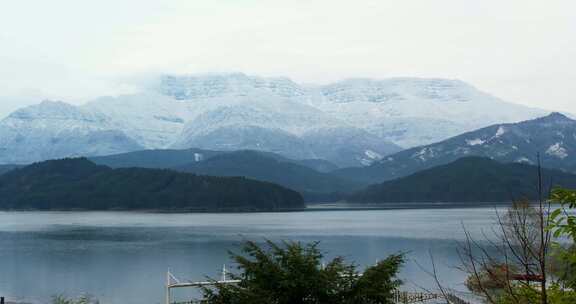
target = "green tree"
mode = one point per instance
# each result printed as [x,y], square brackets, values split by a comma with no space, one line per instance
[524,294]
[564,222]
[293,273]
[564,225]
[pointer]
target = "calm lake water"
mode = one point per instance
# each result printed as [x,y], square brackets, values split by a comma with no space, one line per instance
[122,257]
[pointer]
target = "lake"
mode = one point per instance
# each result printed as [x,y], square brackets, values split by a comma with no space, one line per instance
[122,257]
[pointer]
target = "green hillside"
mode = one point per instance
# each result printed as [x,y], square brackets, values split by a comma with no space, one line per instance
[81,184]
[471,179]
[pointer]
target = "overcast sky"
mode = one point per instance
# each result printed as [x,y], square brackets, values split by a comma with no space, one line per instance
[523,51]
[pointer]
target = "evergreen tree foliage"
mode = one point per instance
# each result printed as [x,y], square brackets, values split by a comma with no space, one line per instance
[293,273]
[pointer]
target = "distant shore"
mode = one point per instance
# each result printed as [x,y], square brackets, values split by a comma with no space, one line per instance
[313,207]
[393,206]
[226,210]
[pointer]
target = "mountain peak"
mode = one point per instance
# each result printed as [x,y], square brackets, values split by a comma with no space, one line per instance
[555,117]
[47,108]
[51,104]
[558,115]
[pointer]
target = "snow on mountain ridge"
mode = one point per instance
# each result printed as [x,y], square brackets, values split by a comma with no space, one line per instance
[153,120]
[192,87]
[55,130]
[49,109]
[397,90]
[386,106]
[180,111]
[56,115]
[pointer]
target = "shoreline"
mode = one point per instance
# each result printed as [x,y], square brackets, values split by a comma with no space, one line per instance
[400,206]
[315,207]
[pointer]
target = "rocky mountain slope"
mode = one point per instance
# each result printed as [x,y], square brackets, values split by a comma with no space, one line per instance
[352,122]
[552,136]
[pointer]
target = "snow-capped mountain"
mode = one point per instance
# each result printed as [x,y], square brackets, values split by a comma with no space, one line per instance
[55,129]
[153,120]
[553,137]
[404,111]
[412,111]
[352,122]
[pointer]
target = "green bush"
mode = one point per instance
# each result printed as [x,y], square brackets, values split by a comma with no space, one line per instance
[292,273]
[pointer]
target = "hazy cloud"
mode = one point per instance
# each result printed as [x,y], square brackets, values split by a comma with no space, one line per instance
[520,50]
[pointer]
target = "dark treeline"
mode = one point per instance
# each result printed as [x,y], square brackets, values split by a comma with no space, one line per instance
[471,179]
[80,184]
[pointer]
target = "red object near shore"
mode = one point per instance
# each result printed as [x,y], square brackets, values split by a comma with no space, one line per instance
[527,277]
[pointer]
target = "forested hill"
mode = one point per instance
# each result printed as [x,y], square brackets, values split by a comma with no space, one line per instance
[309,177]
[80,184]
[168,159]
[312,184]
[6,168]
[471,179]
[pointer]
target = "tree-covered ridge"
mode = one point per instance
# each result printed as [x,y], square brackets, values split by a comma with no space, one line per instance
[310,177]
[471,179]
[80,184]
[169,158]
[312,184]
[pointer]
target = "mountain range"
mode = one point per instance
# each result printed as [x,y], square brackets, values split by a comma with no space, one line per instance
[553,137]
[355,122]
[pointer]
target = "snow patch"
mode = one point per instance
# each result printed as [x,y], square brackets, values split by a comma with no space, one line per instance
[475,142]
[499,132]
[524,160]
[424,154]
[366,162]
[557,150]
[373,155]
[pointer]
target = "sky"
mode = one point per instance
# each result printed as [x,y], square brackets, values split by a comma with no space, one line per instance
[523,51]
